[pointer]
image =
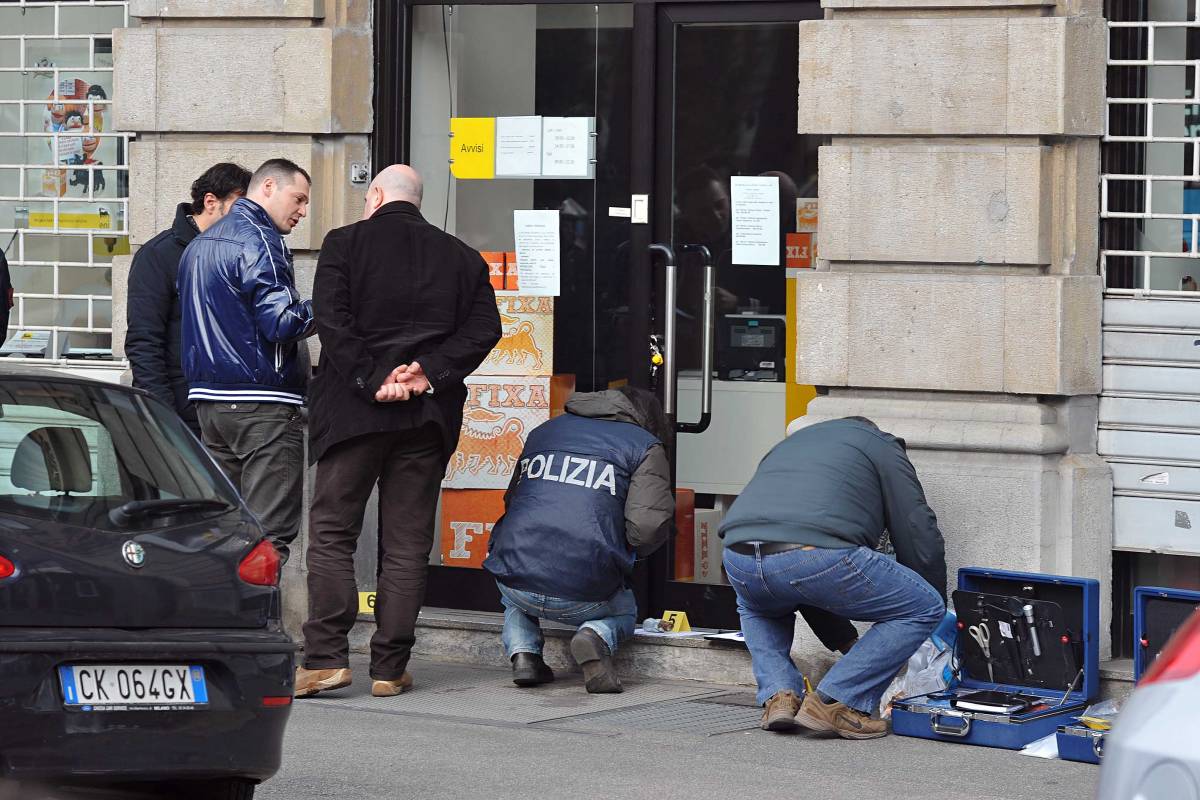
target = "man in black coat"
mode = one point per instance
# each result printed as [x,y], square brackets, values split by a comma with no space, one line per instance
[6,297]
[152,340]
[404,312]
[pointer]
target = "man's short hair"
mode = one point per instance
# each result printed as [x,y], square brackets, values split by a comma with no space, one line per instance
[864,420]
[220,180]
[281,169]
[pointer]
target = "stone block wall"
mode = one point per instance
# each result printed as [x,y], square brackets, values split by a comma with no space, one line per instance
[957,299]
[203,81]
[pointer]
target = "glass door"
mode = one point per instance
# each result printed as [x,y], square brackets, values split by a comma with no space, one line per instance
[532,75]
[734,189]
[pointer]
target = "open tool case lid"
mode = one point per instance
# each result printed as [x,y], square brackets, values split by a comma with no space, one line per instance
[1157,613]
[1066,613]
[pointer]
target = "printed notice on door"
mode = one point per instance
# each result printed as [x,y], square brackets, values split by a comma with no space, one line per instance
[567,147]
[538,258]
[755,220]
[518,147]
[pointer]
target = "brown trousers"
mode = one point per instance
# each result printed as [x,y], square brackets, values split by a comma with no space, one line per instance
[408,466]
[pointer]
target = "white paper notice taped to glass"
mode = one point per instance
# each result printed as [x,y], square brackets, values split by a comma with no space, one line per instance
[755,220]
[518,147]
[538,254]
[567,147]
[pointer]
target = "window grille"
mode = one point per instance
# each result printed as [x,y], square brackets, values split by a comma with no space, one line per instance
[64,181]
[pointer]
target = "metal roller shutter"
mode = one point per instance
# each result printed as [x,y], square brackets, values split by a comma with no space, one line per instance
[1150,422]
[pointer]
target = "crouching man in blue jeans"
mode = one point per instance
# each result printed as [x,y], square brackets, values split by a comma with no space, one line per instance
[807,531]
[592,491]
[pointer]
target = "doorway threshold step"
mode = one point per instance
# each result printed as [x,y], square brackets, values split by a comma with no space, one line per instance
[473,637]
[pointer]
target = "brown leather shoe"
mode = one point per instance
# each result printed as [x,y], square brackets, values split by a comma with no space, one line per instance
[838,718]
[779,713]
[311,681]
[392,688]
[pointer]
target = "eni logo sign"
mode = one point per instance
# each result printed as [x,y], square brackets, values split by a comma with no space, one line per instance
[473,148]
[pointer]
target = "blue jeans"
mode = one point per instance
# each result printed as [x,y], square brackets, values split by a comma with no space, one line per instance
[855,583]
[613,619]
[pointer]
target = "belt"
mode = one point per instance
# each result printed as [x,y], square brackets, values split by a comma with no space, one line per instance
[767,548]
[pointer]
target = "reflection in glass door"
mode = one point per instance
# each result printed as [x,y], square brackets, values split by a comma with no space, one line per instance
[736,171]
[500,62]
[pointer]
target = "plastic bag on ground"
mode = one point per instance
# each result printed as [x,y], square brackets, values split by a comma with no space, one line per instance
[1045,747]
[928,670]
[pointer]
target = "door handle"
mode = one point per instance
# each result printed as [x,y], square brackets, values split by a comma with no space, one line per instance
[706,358]
[670,287]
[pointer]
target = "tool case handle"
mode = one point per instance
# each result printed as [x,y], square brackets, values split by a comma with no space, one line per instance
[942,729]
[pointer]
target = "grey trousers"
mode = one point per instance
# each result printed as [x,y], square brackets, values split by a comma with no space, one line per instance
[260,446]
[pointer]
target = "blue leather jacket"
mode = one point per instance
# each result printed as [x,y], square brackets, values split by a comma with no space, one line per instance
[241,316]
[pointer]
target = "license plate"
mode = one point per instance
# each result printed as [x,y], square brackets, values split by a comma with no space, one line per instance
[102,685]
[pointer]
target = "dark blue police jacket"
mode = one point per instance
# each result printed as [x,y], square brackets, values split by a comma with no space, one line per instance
[563,533]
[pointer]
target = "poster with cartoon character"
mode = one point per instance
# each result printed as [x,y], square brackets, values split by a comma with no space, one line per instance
[69,113]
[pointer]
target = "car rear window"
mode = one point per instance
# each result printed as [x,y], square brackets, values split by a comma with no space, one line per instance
[73,452]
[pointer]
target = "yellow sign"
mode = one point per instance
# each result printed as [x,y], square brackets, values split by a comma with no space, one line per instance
[366,602]
[72,221]
[675,621]
[102,246]
[473,147]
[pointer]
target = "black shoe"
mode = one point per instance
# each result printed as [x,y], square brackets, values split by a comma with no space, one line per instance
[529,670]
[591,653]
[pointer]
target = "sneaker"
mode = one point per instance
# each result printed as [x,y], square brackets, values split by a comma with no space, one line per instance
[779,713]
[592,654]
[529,669]
[392,688]
[311,681]
[838,718]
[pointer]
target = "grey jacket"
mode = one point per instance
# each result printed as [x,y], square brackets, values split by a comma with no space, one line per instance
[650,504]
[840,483]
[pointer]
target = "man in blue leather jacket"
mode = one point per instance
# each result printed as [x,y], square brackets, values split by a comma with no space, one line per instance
[243,325]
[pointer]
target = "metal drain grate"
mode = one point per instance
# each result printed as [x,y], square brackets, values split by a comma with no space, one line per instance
[696,717]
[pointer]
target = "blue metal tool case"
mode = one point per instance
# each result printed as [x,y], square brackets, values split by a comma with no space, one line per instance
[1021,634]
[1157,614]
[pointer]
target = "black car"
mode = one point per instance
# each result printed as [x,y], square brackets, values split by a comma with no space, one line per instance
[140,632]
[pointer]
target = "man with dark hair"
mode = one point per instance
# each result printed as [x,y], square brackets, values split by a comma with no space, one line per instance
[405,312]
[242,326]
[152,341]
[591,492]
[807,530]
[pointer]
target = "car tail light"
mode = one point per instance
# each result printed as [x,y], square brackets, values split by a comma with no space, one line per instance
[261,565]
[7,568]
[272,702]
[1181,657]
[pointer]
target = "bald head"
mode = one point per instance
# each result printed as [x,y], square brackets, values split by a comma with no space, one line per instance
[397,182]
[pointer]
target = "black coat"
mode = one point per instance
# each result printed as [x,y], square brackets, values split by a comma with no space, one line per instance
[391,290]
[6,297]
[152,339]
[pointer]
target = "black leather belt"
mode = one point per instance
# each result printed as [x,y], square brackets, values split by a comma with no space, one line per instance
[767,548]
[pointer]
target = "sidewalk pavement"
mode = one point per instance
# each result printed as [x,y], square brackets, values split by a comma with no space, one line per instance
[466,731]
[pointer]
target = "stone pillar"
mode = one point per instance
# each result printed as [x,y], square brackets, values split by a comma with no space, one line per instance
[956,300]
[203,81]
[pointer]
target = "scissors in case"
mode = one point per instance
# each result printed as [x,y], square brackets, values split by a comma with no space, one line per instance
[983,638]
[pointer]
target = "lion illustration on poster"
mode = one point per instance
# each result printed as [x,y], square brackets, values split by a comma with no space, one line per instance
[516,344]
[493,450]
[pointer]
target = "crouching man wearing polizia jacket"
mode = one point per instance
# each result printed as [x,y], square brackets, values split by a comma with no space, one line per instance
[591,492]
